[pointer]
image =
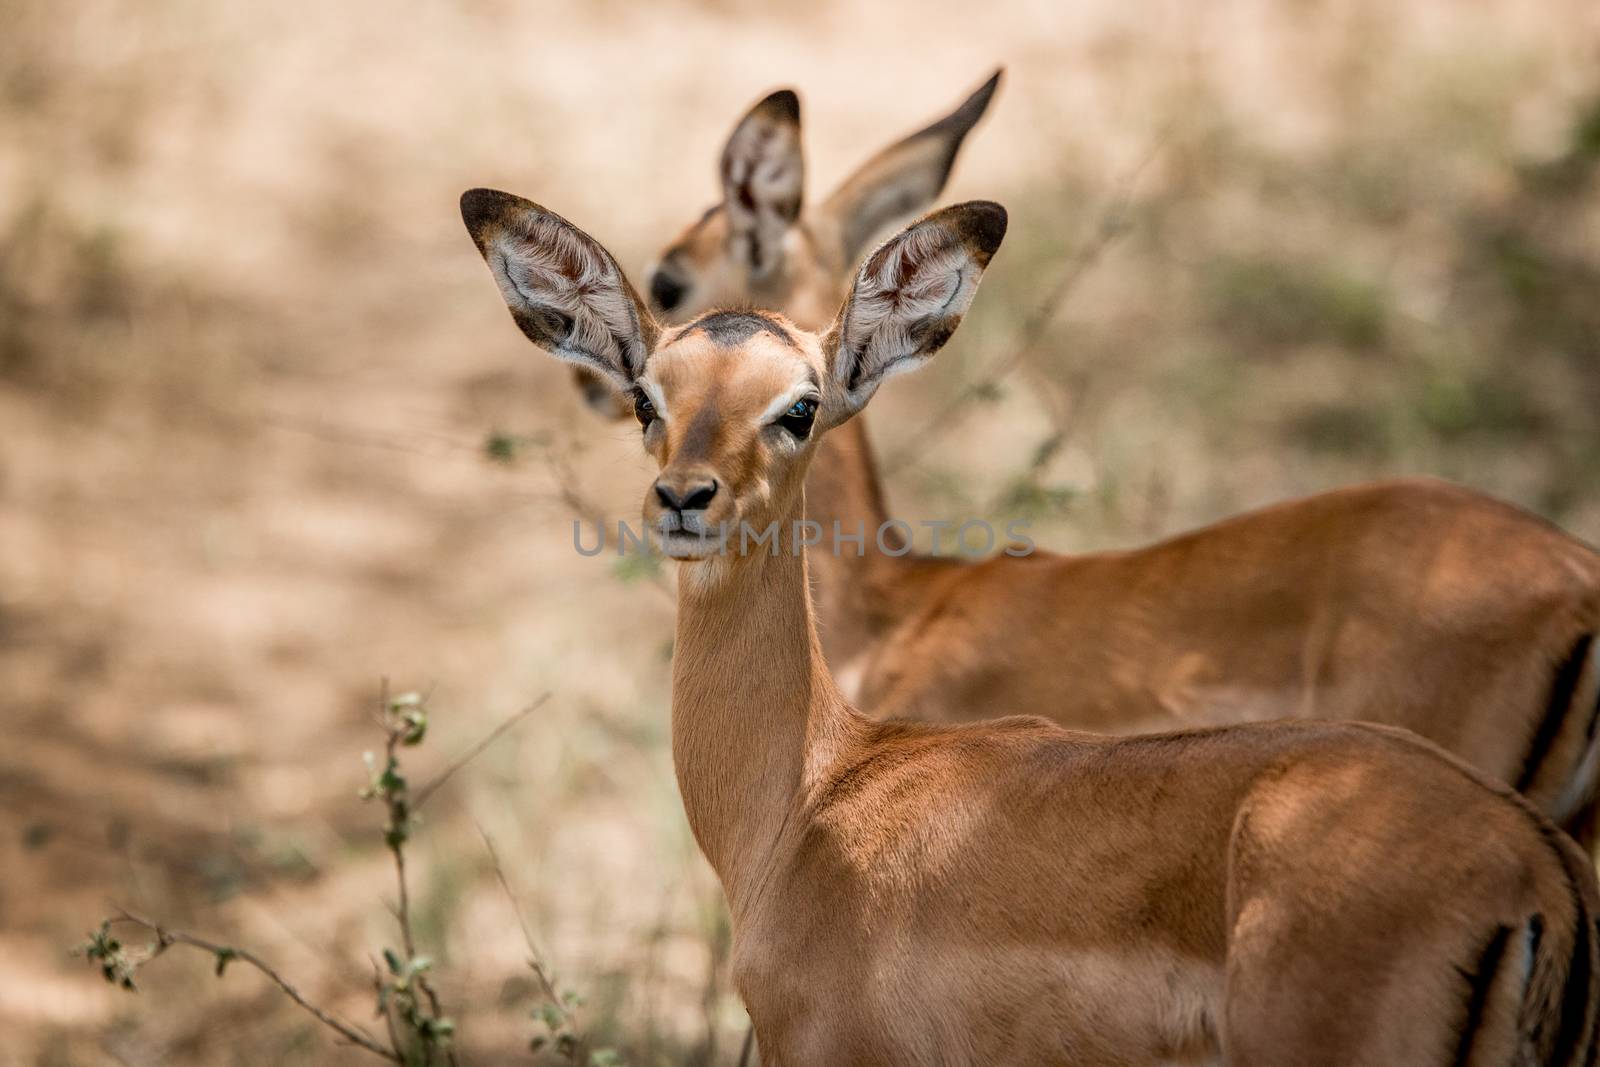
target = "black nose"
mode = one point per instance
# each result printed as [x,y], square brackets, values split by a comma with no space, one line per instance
[666,292]
[696,497]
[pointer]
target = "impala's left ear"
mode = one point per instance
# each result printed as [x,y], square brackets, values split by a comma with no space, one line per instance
[563,288]
[901,181]
[763,174]
[909,297]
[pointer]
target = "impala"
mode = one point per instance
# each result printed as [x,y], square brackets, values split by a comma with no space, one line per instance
[1414,603]
[1010,891]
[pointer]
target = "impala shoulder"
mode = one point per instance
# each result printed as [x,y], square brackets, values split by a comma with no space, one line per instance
[905,772]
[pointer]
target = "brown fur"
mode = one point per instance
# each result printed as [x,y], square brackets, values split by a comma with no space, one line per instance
[1012,892]
[1413,603]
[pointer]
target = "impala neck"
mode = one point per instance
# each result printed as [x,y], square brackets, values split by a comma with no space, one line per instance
[756,719]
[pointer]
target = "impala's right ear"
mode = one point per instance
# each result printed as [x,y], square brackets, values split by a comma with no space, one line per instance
[909,297]
[564,289]
[763,175]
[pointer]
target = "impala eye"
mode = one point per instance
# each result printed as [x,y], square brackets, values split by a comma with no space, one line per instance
[666,292]
[643,410]
[798,419]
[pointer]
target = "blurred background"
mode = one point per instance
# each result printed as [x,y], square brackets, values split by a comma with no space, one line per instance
[268,437]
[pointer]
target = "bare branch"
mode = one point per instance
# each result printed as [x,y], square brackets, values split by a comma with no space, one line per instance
[407,1001]
[1110,224]
[384,1007]
[535,960]
[426,791]
[166,938]
[567,483]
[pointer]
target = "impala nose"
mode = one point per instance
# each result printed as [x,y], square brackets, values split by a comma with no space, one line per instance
[696,496]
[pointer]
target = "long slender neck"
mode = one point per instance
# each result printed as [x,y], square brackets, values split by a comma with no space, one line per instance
[756,719]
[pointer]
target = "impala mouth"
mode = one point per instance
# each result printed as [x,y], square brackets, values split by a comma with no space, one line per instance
[682,538]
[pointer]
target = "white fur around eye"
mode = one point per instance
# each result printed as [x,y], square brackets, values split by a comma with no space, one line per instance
[658,399]
[542,264]
[799,391]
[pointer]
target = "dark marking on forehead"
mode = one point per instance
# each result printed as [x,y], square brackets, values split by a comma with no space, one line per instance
[727,329]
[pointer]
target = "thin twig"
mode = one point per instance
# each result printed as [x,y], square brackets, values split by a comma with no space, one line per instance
[1110,224]
[567,482]
[166,938]
[424,792]
[386,1008]
[577,1051]
[535,960]
[342,433]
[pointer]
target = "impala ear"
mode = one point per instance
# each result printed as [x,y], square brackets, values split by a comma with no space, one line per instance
[909,297]
[903,179]
[564,289]
[763,173]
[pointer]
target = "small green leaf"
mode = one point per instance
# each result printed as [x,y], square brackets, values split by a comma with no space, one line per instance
[225,956]
[504,447]
[393,960]
[390,781]
[416,728]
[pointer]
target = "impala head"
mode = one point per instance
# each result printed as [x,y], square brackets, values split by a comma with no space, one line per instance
[731,404]
[760,246]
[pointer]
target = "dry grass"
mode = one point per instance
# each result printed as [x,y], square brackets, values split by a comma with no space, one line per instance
[248,360]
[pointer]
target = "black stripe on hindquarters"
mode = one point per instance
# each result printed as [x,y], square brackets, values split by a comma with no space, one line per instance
[1562,689]
[1479,981]
[1594,1038]
[1575,995]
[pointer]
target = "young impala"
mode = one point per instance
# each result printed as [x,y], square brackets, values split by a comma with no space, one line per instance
[1008,891]
[1415,603]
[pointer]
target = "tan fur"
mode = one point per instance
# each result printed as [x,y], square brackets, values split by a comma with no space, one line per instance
[1011,892]
[1413,603]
